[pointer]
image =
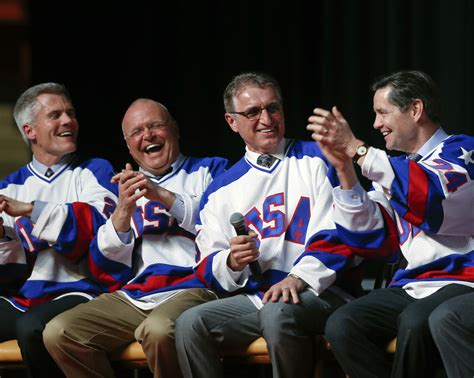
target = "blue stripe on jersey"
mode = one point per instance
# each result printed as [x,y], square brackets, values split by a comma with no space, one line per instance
[18,177]
[269,278]
[161,278]
[204,273]
[121,273]
[142,290]
[39,176]
[162,270]
[454,154]
[24,223]
[102,170]
[445,266]
[327,235]
[192,164]
[238,170]
[37,289]
[367,239]
[215,164]
[400,187]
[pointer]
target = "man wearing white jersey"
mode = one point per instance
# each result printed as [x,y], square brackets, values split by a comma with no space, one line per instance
[148,247]
[283,189]
[431,195]
[50,210]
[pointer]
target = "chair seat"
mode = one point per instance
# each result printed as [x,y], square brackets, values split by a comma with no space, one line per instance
[10,351]
[133,354]
[10,355]
[254,353]
[392,346]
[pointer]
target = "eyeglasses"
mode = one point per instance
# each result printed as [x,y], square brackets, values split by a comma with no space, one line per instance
[254,113]
[138,132]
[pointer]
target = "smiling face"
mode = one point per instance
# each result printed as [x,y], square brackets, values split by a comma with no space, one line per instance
[399,128]
[152,136]
[263,134]
[54,131]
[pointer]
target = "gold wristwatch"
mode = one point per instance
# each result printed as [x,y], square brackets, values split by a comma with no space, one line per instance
[360,151]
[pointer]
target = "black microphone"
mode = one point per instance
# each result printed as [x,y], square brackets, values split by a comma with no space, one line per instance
[237,220]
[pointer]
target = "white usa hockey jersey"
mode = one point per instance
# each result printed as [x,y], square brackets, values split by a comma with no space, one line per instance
[289,207]
[159,261]
[42,261]
[433,204]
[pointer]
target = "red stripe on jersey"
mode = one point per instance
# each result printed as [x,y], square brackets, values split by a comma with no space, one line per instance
[389,247]
[465,274]
[328,247]
[159,282]
[85,233]
[32,302]
[201,270]
[391,244]
[417,194]
[102,276]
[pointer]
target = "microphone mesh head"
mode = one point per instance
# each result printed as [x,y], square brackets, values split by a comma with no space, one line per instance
[237,219]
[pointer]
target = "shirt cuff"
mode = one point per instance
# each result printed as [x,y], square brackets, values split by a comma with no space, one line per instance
[38,207]
[125,237]
[177,210]
[351,197]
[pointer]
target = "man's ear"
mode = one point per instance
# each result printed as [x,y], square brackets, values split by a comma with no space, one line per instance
[29,131]
[417,108]
[231,122]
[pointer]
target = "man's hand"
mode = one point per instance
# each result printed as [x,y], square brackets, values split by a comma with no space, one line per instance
[149,189]
[331,130]
[15,208]
[243,250]
[130,190]
[286,289]
[156,193]
[337,142]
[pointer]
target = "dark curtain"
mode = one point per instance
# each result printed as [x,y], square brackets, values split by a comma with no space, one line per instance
[183,53]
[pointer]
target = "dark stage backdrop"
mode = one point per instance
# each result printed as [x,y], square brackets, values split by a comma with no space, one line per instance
[183,53]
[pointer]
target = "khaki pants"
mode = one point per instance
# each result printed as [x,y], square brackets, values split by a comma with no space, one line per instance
[80,339]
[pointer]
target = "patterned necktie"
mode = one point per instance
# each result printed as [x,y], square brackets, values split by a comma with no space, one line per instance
[49,173]
[265,160]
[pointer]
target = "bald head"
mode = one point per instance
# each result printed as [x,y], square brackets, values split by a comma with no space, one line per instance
[151,134]
[141,104]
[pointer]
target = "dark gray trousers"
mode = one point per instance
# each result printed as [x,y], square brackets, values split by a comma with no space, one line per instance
[452,327]
[360,331]
[288,329]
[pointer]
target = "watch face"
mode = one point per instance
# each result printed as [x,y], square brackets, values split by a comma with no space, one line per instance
[361,150]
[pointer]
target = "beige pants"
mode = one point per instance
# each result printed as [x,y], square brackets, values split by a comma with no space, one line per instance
[79,339]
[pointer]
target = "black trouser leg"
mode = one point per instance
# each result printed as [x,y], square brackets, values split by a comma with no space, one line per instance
[29,333]
[417,355]
[360,331]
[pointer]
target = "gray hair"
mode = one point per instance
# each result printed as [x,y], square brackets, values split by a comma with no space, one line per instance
[26,107]
[248,79]
[408,86]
